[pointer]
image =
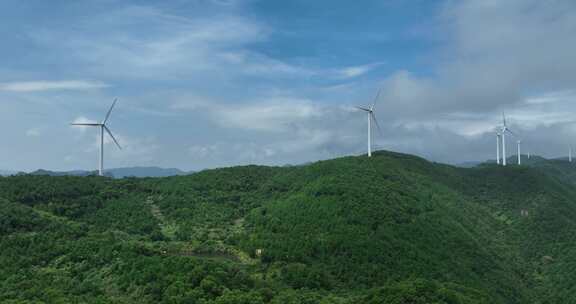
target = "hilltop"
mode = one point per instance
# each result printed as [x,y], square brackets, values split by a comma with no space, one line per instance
[391,229]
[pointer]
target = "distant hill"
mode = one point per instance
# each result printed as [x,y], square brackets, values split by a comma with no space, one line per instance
[145,172]
[560,168]
[7,172]
[511,160]
[118,172]
[61,173]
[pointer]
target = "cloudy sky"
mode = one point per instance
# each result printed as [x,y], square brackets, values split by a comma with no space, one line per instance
[211,83]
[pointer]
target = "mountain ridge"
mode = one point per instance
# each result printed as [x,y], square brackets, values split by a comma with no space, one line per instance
[138,171]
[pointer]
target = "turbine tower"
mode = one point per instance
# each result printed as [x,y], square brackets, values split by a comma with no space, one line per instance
[371,118]
[504,129]
[497,147]
[103,128]
[519,152]
[570,154]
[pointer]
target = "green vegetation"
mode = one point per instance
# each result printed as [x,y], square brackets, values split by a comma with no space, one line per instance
[392,229]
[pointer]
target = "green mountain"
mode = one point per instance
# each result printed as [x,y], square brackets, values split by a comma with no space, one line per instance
[391,229]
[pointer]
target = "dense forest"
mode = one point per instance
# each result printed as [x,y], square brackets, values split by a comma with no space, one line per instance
[391,229]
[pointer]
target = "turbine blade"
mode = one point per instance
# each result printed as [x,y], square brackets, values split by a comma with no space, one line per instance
[110,111]
[363,109]
[376,99]
[376,123]
[85,124]
[110,133]
[513,133]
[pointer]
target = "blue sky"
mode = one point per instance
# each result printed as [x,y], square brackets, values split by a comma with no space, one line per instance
[211,83]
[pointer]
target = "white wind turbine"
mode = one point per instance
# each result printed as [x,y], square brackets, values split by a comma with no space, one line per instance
[103,128]
[505,130]
[371,117]
[570,153]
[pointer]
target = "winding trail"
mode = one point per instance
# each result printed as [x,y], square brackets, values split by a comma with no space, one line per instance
[167,229]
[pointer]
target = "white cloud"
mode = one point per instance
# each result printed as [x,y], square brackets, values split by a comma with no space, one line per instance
[276,114]
[552,97]
[203,151]
[234,153]
[82,119]
[192,102]
[355,71]
[34,132]
[257,64]
[271,114]
[133,150]
[172,47]
[279,130]
[35,86]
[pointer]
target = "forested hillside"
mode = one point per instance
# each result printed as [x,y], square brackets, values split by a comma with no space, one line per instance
[390,229]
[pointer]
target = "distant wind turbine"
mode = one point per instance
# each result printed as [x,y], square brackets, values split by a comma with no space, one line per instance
[103,128]
[505,130]
[570,154]
[371,117]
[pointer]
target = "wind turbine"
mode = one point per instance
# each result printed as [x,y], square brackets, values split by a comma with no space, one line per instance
[503,134]
[371,117]
[103,128]
[570,154]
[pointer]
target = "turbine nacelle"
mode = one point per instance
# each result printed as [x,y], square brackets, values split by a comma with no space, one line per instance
[369,110]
